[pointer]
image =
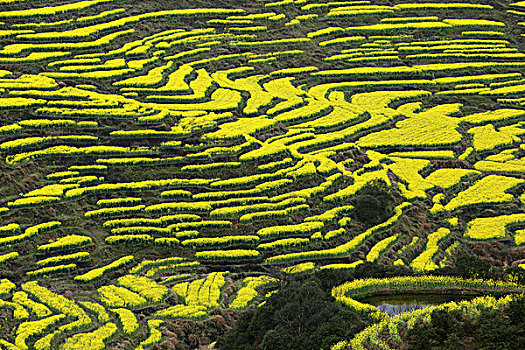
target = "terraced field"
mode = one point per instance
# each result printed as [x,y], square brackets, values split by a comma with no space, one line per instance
[169,160]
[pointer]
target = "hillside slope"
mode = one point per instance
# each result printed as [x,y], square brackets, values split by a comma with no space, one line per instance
[173,160]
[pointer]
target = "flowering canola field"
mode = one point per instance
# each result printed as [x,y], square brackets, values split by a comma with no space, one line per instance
[152,156]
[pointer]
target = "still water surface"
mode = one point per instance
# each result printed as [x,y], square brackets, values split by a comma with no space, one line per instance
[399,303]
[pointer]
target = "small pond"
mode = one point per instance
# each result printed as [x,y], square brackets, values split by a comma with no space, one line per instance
[398,303]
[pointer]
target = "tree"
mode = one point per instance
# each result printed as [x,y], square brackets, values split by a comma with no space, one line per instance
[302,315]
[373,204]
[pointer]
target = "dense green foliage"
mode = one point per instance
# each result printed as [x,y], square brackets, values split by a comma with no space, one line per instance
[300,316]
[490,330]
[373,204]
